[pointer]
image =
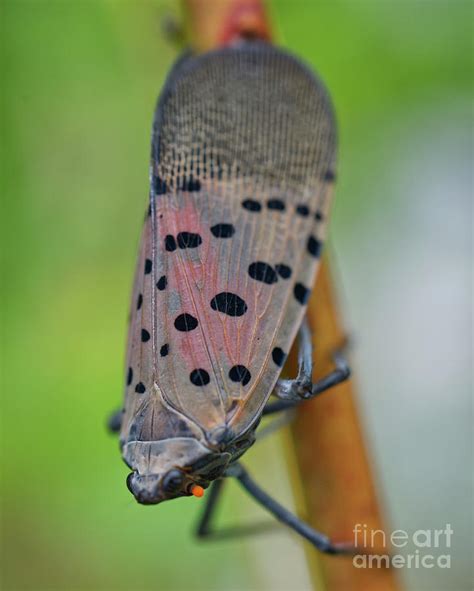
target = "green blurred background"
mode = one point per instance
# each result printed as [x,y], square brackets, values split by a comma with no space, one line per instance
[79,83]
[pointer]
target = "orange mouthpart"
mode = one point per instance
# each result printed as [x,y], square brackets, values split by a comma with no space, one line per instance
[197,490]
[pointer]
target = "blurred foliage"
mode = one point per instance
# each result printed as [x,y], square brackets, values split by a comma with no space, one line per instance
[79,81]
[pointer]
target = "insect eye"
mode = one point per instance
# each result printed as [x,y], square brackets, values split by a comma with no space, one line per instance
[173,481]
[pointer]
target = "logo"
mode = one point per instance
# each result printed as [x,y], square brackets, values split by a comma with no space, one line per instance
[424,548]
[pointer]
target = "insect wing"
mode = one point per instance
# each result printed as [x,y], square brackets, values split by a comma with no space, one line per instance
[242,166]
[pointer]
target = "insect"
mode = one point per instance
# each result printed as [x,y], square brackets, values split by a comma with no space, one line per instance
[242,170]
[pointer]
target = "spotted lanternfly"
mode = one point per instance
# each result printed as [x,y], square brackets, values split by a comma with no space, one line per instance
[242,167]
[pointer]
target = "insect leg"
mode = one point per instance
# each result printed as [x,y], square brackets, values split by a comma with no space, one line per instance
[339,374]
[292,392]
[300,387]
[204,525]
[114,422]
[173,31]
[205,530]
[279,406]
[319,540]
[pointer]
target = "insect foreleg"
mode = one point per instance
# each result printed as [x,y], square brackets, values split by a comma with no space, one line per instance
[206,531]
[114,422]
[319,540]
[204,526]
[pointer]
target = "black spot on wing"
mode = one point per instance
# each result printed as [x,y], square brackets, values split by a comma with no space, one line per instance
[145,335]
[191,185]
[330,176]
[140,388]
[318,216]
[314,246]
[239,373]
[185,322]
[162,282]
[170,243]
[283,270]
[223,230]
[199,377]
[251,205]
[229,303]
[164,350]
[189,240]
[263,272]
[148,266]
[276,204]
[139,301]
[301,293]
[302,210]
[159,186]
[278,356]
[129,376]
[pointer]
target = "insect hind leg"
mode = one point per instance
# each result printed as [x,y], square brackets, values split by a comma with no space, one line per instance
[317,539]
[299,387]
